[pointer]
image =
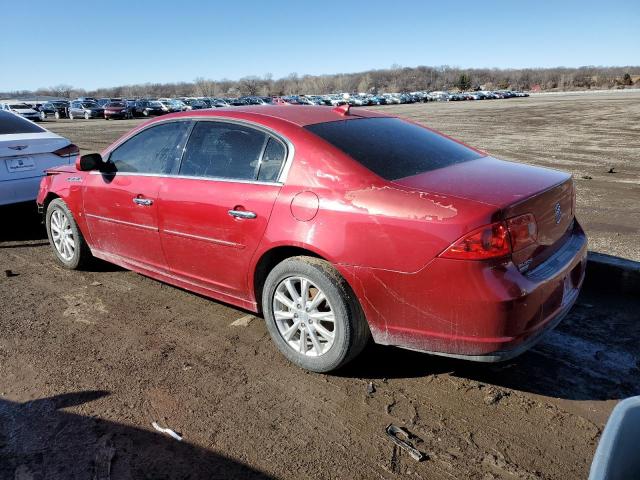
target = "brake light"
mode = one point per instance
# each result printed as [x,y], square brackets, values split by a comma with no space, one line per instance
[67,151]
[490,241]
[523,231]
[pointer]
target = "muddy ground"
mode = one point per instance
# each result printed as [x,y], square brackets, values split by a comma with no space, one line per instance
[89,359]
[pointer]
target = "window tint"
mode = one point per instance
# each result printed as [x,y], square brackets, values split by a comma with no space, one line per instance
[11,123]
[154,150]
[271,161]
[393,148]
[223,150]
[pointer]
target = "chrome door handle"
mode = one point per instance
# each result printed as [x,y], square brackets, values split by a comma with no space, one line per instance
[145,202]
[242,214]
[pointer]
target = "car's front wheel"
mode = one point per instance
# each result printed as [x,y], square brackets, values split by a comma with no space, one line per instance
[43,116]
[86,115]
[65,237]
[312,315]
[70,116]
[57,115]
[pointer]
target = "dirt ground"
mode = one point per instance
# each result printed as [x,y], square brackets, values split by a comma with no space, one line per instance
[88,359]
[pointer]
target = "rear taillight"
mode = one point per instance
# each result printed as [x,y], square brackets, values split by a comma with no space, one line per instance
[67,151]
[523,231]
[490,241]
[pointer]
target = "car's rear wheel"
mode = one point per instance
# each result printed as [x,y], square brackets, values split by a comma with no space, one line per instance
[312,315]
[70,116]
[86,115]
[57,115]
[65,237]
[43,116]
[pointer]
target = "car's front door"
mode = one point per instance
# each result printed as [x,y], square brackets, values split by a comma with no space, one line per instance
[121,205]
[213,214]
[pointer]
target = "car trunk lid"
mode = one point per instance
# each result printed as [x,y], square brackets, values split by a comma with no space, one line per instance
[515,189]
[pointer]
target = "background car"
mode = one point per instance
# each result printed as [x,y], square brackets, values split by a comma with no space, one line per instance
[21,109]
[57,109]
[27,150]
[85,109]
[117,110]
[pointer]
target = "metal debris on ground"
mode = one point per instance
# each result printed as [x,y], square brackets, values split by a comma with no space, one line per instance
[371,388]
[393,431]
[243,321]
[9,273]
[168,431]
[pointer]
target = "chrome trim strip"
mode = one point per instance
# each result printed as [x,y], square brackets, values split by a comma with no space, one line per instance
[284,171]
[121,222]
[186,177]
[204,239]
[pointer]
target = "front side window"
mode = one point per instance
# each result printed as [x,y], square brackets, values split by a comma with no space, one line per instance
[155,150]
[223,150]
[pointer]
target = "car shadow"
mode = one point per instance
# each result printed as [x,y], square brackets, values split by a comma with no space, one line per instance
[26,225]
[594,354]
[39,439]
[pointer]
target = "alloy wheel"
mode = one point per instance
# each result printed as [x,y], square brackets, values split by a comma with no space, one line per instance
[62,235]
[304,316]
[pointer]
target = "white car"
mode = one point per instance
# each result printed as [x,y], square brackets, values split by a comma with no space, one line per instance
[26,150]
[27,111]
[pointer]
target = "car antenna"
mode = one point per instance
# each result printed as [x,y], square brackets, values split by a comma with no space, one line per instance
[343,109]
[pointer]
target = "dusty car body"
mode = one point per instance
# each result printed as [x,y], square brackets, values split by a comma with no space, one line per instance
[440,247]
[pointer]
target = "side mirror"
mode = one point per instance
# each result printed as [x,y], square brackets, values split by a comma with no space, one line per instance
[91,161]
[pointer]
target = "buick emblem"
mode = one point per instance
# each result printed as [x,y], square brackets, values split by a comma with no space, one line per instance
[558,212]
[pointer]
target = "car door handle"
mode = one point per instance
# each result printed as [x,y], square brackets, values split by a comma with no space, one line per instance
[242,214]
[145,202]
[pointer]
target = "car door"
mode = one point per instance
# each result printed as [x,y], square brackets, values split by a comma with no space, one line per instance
[120,205]
[213,214]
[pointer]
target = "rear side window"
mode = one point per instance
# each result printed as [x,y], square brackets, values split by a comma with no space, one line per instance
[272,161]
[154,150]
[223,150]
[393,148]
[12,124]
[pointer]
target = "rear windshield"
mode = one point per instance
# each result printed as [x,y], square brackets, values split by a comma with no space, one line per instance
[393,148]
[11,123]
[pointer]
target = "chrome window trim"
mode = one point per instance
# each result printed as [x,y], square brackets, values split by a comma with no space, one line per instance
[282,176]
[185,177]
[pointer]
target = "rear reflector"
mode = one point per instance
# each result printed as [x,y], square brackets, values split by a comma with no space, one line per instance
[67,151]
[490,241]
[523,231]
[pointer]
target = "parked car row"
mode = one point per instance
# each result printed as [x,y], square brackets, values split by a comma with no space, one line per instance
[126,108]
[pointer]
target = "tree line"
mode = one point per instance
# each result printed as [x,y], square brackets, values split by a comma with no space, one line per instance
[394,79]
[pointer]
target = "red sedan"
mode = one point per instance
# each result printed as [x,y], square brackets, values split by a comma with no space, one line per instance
[337,226]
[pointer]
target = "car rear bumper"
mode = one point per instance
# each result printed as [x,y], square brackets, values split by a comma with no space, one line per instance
[472,310]
[19,190]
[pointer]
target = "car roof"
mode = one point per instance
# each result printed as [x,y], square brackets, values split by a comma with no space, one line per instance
[300,115]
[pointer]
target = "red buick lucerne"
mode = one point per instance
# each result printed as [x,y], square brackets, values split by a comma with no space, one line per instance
[338,226]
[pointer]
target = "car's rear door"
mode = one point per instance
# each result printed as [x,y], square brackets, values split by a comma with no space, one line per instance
[121,206]
[214,213]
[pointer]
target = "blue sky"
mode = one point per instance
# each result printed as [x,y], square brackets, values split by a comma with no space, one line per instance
[99,43]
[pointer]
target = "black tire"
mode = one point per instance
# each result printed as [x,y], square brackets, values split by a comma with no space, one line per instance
[82,254]
[351,331]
